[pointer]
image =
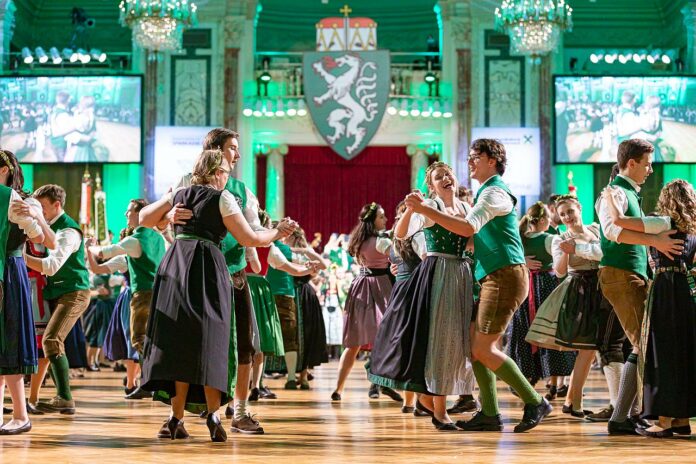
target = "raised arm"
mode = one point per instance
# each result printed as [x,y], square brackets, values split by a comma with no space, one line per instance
[153,215]
[458,225]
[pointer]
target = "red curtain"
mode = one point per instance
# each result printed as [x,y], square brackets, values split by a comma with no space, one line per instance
[324,192]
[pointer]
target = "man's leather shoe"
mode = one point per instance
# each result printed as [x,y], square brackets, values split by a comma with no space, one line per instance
[533,415]
[621,428]
[482,423]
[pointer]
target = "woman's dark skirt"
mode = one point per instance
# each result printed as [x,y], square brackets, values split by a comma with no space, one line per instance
[669,349]
[117,343]
[313,329]
[76,347]
[96,320]
[18,351]
[581,314]
[188,336]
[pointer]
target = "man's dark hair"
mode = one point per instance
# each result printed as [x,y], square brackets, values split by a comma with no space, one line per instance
[493,149]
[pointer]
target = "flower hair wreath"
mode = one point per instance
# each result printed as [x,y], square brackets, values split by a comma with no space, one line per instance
[370,211]
[6,159]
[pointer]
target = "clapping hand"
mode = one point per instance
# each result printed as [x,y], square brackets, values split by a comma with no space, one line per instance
[568,246]
[286,227]
[414,201]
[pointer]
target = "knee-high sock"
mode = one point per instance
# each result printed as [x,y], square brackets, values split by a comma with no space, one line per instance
[61,375]
[487,390]
[612,372]
[627,389]
[291,363]
[511,375]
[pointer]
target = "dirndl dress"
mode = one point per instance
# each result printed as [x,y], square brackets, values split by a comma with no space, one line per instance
[314,350]
[117,343]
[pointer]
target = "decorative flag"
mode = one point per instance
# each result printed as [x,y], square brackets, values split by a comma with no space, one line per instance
[101,229]
[86,201]
[572,190]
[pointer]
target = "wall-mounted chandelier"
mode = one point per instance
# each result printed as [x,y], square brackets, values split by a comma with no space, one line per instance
[534,26]
[158,25]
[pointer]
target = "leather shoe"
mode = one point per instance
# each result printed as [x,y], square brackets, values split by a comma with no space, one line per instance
[465,403]
[165,432]
[639,422]
[408,409]
[23,429]
[621,428]
[254,394]
[138,394]
[423,409]
[391,394]
[682,430]
[533,415]
[335,396]
[266,394]
[662,433]
[579,414]
[373,393]
[444,426]
[229,412]
[31,409]
[217,431]
[482,423]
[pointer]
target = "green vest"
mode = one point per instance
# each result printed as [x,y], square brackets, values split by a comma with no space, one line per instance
[281,282]
[536,246]
[498,243]
[73,275]
[553,231]
[440,240]
[633,258]
[233,251]
[142,270]
[5,196]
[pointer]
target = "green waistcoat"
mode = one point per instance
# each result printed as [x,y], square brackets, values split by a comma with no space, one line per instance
[5,196]
[143,269]
[633,258]
[233,251]
[536,246]
[281,282]
[73,275]
[553,231]
[498,243]
[440,240]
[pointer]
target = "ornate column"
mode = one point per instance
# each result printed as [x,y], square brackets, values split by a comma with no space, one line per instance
[419,163]
[7,21]
[455,49]
[689,15]
[545,105]
[275,182]
[239,46]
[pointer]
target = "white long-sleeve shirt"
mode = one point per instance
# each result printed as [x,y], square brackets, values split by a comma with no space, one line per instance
[28,224]
[652,224]
[67,242]
[492,202]
[129,246]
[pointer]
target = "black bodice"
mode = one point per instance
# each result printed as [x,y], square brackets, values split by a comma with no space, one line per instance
[206,222]
[15,238]
[685,259]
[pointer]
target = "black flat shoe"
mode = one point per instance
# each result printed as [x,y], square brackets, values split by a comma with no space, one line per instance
[23,429]
[373,393]
[579,414]
[682,430]
[175,429]
[423,409]
[551,395]
[335,396]
[229,412]
[420,413]
[217,432]
[6,410]
[621,428]
[391,394]
[664,433]
[31,409]
[408,409]
[562,392]
[254,394]
[310,376]
[204,414]
[533,415]
[465,403]
[639,422]
[266,394]
[138,394]
[482,423]
[444,426]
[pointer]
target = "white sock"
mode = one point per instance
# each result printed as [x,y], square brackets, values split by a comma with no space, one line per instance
[240,409]
[612,372]
[291,363]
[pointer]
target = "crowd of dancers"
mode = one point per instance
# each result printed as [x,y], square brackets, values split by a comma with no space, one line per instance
[213,293]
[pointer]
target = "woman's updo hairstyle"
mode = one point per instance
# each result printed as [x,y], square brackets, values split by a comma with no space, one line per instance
[208,163]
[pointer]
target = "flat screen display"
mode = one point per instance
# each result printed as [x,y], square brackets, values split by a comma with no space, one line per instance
[593,114]
[72,119]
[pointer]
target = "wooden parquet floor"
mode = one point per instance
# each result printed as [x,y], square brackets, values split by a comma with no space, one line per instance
[305,427]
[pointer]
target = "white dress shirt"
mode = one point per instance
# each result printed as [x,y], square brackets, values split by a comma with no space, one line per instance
[492,202]
[28,224]
[117,264]
[129,246]
[67,242]
[276,258]
[652,225]
[419,222]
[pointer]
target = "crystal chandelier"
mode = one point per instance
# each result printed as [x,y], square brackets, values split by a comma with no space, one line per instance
[534,26]
[158,25]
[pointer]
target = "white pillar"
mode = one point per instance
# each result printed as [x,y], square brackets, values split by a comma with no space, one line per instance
[275,182]
[419,163]
[7,19]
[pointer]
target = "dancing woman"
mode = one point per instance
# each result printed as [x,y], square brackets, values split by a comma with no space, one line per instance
[368,294]
[20,219]
[188,338]
[423,343]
